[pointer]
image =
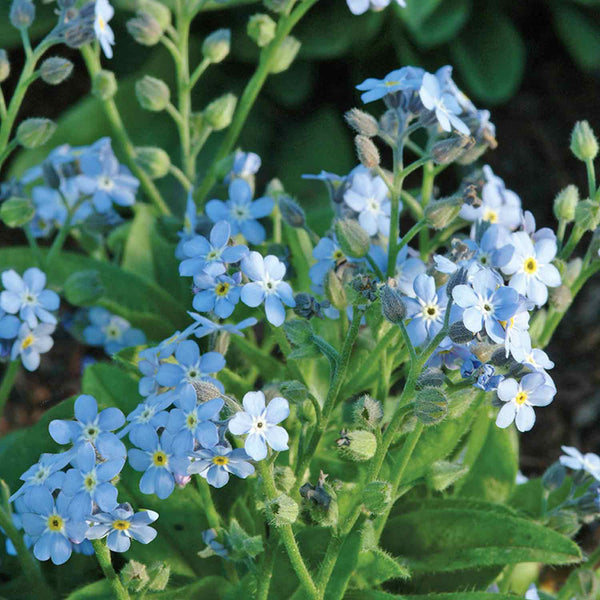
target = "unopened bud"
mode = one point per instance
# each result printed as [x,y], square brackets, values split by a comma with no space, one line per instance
[377,496]
[440,213]
[431,378]
[261,28]
[217,45]
[307,306]
[498,358]
[284,478]
[153,94]
[4,66]
[205,391]
[573,269]
[55,70]
[431,406]
[291,212]
[583,141]
[334,290]
[159,575]
[447,151]
[363,123]
[33,133]
[587,215]
[367,152]
[367,411]
[566,203]
[282,510]
[157,10]
[134,576]
[554,476]
[358,445]
[363,287]
[145,29]
[219,113]
[352,238]
[104,86]
[459,334]
[294,391]
[321,501]
[22,14]
[561,298]
[389,123]
[155,161]
[286,54]
[16,212]
[565,522]
[84,288]
[392,304]
[277,6]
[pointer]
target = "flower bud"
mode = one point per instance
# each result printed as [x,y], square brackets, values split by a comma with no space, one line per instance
[573,269]
[293,391]
[79,30]
[55,70]
[104,86]
[459,334]
[134,576]
[157,10]
[367,412]
[277,6]
[334,290]
[159,575]
[219,113]
[217,45]
[442,474]
[431,406]
[392,305]
[583,141]
[566,203]
[431,378]
[459,277]
[284,478]
[155,161]
[352,238]
[321,501]
[440,213]
[261,29]
[145,29]
[282,510]
[560,298]
[153,94]
[16,212]
[308,307]
[205,391]
[358,445]
[84,288]
[286,54]
[291,212]
[22,14]
[363,123]
[367,152]
[389,123]
[499,358]
[4,66]
[554,476]
[587,215]
[362,287]
[377,496]
[33,133]
[447,151]
[565,522]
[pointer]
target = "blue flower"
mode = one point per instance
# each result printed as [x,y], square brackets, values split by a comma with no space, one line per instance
[28,297]
[487,380]
[52,527]
[486,304]
[359,7]
[267,285]
[148,416]
[577,461]
[215,464]
[121,525]
[102,15]
[245,164]
[530,267]
[46,472]
[111,331]
[148,364]
[219,294]
[91,428]
[534,358]
[209,537]
[9,326]
[443,103]
[104,178]
[520,398]
[190,367]
[405,79]
[30,343]
[261,424]
[191,422]
[241,212]
[369,197]
[426,310]
[495,249]
[208,327]
[212,256]
[90,484]
[159,463]
[328,254]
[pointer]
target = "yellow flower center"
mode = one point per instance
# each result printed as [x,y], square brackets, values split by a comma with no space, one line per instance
[121,525]
[101,23]
[27,341]
[530,265]
[89,482]
[222,289]
[491,216]
[191,420]
[521,398]
[55,523]
[159,459]
[338,254]
[220,460]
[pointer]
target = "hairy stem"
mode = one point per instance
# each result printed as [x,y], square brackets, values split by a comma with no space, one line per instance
[104,560]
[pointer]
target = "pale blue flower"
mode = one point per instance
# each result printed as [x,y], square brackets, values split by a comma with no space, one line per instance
[359,7]
[245,165]
[328,254]
[9,326]
[46,472]
[208,327]
[219,294]
[30,343]
[444,104]
[209,537]
[111,331]
[369,197]
[215,464]
[103,14]
[148,416]
[406,79]
[260,422]
[575,460]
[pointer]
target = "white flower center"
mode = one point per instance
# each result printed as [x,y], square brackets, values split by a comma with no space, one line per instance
[240,212]
[259,425]
[430,312]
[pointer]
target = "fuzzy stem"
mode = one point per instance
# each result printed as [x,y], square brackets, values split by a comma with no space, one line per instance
[104,560]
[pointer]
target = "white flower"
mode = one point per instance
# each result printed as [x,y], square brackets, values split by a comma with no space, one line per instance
[577,461]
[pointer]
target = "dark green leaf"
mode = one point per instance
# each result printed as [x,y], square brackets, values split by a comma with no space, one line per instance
[579,33]
[376,566]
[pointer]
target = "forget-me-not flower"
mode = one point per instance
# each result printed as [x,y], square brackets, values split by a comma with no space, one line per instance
[520,398]
[267,285]
[121,525]
[215,464]
[359,7]
[103,13]
[28,297]
[241,212]
[111,331]
[260,422]
[577,461]
[369,197]
[148,416]
[46,472]
[208,327]
[443,103]
[245,164]
[328,254]
[219,294]
[407,79]
[9,326]
[30,343]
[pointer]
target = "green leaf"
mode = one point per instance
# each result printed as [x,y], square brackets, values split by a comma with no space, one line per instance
[143,303]
[345,564]
[579,33]
[416,13]
[99,590]
[490,56]
[376,595]
[449,536]
[376,566]
[138,255]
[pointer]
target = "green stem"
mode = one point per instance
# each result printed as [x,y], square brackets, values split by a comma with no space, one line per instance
[35,248]
[198,72]
[267,59]
[214,520]
[574,238]
[287,535]
[8,382]
[426,192]
[375,267]
[395,212]
[10,148]
[591,177]
[180,176]
[266,573]
[104,560]
[120,133]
